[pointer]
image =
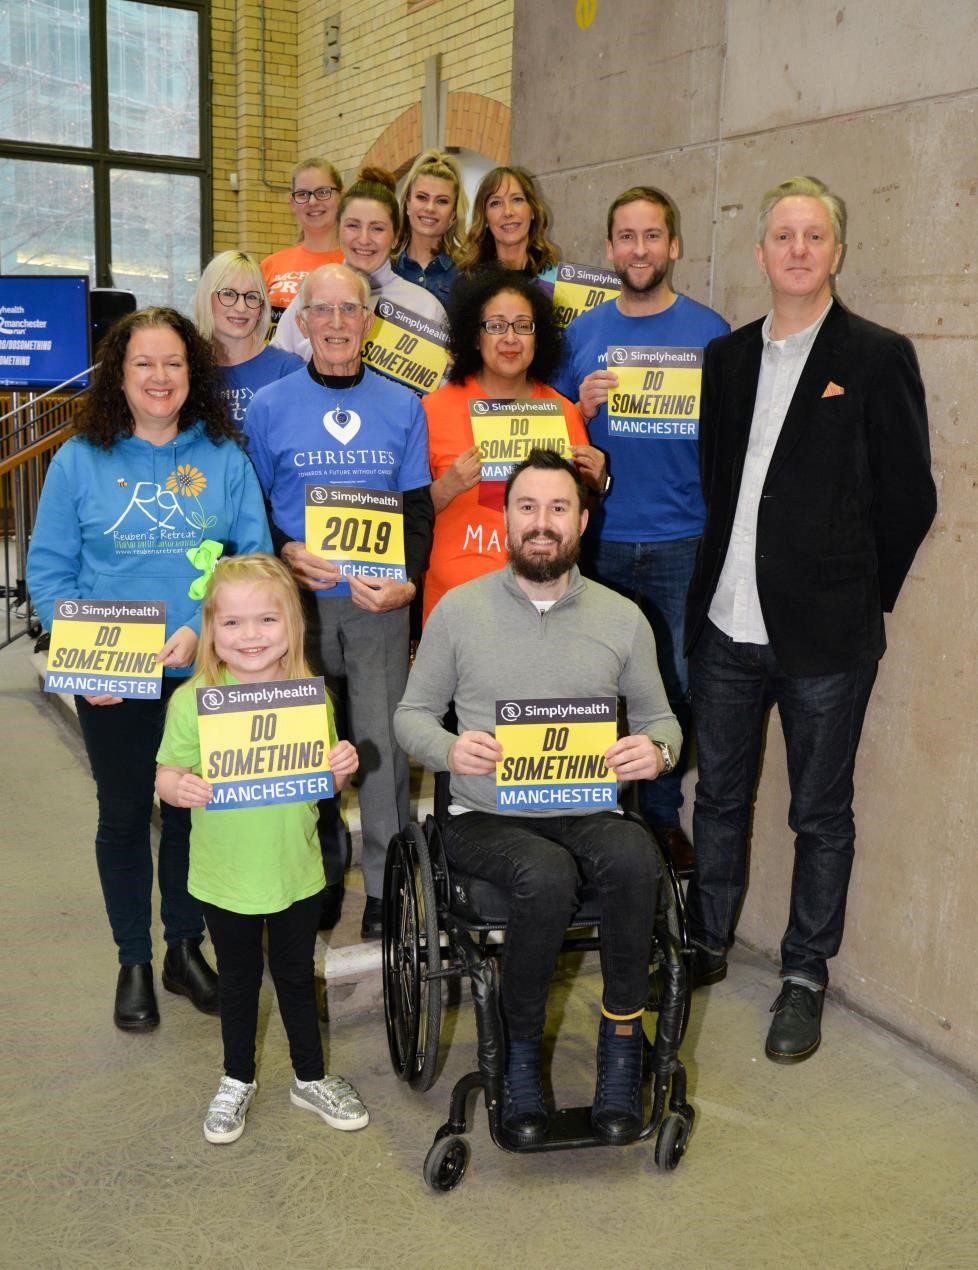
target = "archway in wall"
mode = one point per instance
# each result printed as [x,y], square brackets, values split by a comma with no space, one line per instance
[476,130]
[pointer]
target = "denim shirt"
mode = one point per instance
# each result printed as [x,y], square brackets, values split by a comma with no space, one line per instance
[438,278]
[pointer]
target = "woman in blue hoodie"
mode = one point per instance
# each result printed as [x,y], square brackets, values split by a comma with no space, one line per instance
[156,469]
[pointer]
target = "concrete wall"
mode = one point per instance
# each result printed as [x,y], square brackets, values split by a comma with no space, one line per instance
[715,102]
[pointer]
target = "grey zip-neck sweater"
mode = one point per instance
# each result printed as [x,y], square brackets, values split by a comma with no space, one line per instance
[486,641]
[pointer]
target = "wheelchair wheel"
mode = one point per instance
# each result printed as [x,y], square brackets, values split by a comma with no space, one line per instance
[445,1163]
[411,955]
[670,1145]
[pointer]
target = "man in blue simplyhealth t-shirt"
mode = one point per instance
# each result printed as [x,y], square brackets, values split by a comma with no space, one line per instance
[643,540]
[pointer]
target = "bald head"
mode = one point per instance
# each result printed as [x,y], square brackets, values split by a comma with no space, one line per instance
[338,271]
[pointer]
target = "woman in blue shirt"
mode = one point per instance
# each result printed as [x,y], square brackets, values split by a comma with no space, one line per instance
[156,468]
[232,311]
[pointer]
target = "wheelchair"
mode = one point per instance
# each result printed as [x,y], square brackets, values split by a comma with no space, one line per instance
[439,924]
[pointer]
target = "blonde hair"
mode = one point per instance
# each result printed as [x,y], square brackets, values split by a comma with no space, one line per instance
[213,279]
[323,165]
[444,167]
[806,187]
[252,570]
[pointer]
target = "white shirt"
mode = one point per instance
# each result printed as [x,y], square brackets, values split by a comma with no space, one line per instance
[736,606]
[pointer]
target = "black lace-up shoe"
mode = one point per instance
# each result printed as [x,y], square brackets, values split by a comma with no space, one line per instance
[524,1113]
[796,1029]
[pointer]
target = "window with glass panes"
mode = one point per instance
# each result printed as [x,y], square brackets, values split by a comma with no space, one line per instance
[104,142]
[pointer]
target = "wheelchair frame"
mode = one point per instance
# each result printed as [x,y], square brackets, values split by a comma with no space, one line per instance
[422,901]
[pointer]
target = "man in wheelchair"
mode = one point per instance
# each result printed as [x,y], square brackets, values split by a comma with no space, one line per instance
[535,631]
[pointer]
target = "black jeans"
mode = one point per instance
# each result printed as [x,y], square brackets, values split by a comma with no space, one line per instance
[733,685]
[240,965]
[122,741]
[541,861]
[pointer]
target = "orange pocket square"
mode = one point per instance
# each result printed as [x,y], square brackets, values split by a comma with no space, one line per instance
[833,390]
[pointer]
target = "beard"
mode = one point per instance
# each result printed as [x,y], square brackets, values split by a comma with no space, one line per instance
[544,568]
[654,279]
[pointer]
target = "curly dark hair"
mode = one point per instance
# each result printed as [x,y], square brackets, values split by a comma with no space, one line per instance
[105,417]
[466,305]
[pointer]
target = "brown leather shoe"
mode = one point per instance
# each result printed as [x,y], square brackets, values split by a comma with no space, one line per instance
[673,841]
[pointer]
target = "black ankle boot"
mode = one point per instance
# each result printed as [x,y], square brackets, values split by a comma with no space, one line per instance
[135,1000]
[617,1114]
[524,1114]
[185,971]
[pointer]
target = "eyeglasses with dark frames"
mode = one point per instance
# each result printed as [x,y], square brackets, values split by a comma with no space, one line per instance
[229,298]
[322,194]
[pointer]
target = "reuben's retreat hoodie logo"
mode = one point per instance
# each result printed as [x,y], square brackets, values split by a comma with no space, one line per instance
[161,517]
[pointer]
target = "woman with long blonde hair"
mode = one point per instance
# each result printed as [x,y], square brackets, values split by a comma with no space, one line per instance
[433,214]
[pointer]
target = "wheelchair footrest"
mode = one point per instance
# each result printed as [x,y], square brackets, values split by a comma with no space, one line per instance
[569,1129]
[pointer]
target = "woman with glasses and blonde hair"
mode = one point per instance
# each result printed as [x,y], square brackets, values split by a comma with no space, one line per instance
[510,223]
[314,199]
[433,214]
[370,221]
[232,311]
[504,346]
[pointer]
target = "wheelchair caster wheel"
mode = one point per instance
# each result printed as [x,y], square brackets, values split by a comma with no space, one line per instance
[445,1163]
[670,1145]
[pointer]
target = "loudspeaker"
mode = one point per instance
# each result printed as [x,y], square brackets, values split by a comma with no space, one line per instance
[106,306]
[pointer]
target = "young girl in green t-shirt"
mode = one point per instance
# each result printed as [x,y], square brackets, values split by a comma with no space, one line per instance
[257,866]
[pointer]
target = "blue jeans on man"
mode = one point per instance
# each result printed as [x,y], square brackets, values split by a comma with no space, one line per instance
[656,575]
[732,686]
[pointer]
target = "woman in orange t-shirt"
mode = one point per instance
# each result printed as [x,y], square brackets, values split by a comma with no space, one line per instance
[504,346]
[315,199]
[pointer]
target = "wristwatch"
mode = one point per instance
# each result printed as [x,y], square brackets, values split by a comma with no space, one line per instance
[668,759]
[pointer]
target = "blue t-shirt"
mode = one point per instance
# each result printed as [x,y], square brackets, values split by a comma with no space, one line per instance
[655,495]
[243,381]
[301,433]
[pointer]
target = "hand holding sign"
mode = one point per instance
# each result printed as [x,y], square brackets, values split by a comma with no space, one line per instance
[594,392]
[474,754]
[634,758]
[380,595]
[311,572]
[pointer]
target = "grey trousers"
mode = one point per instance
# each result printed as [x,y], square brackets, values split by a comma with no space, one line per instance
[364,660]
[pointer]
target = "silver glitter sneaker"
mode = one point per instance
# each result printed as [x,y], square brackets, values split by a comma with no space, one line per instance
[334,1100]
[225,1119]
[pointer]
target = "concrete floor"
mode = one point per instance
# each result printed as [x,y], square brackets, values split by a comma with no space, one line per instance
[866,1156]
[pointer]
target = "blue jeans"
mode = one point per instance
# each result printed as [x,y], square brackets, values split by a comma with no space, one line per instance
[540,861]
[732,687]
[122,741]
[656,575]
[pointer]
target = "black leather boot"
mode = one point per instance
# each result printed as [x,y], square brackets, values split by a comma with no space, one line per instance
[617,1114]
[524,1114]
[135,1000]
[185,971]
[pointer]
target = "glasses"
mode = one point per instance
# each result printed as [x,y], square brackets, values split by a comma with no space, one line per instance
[499,326]
[322,195]
[346,309]
[229,298]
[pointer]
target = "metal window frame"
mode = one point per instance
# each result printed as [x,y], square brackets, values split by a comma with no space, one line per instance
[102,160]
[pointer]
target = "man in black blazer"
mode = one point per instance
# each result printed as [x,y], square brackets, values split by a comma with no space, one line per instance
[816,474]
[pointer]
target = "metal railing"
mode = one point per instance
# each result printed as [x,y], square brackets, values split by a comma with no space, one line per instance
[32,427]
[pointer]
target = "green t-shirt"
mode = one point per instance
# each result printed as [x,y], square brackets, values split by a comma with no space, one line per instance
[244,859]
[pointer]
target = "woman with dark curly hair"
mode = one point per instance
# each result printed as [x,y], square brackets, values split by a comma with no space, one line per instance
[156,469]
[510,223]
[505,346]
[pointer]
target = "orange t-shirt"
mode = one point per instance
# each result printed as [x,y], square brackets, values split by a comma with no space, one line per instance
[284,270]
[469,532]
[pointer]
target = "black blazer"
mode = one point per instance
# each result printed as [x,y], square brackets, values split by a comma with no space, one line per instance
[848,495]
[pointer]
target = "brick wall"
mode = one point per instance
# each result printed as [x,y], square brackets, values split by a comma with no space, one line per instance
[370,103]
